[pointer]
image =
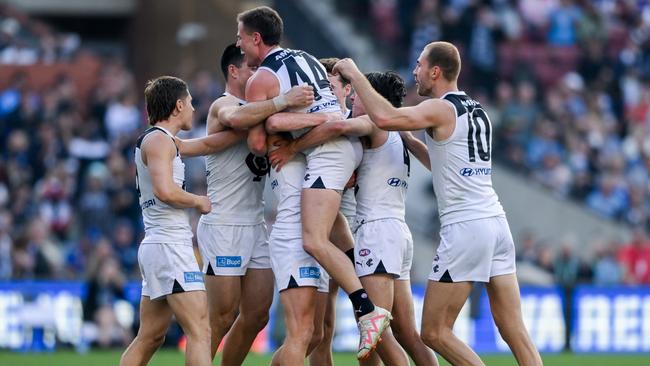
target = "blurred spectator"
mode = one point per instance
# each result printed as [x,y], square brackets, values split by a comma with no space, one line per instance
[566,266]
[126,247]
[105,288]
[609,199]
[122,116]
[607,271]
[563,23]
[6,244]
[94,204]
[635,259]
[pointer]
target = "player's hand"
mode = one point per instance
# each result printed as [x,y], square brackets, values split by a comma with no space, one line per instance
[281,156]
[346,68]
[204,205]
[300,96]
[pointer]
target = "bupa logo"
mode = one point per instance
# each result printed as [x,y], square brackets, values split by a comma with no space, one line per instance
[193,277]
[467,172]
[229,261]
[396,182]
[309,272]
[364,252]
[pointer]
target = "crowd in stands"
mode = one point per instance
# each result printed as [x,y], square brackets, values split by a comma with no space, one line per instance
[25,41]
[68,204]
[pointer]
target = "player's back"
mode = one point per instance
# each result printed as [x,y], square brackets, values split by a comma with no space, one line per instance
[295,67]
[235,178]
[462,165]
[162,222]
[382,180]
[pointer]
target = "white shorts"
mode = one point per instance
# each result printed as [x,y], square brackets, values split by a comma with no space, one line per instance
[383,246]
[292,266]
[474,250]
[168,269]
[330,165]
[229,250]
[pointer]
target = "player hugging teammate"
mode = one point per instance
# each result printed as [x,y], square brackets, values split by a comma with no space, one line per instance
[288,104]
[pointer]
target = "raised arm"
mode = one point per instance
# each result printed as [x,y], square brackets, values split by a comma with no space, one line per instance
[251,114]
[210,144]
[417,148]
[428,114]
[361,126]
[159,152]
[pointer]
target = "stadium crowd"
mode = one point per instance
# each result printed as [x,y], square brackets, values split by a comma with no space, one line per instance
[68,204]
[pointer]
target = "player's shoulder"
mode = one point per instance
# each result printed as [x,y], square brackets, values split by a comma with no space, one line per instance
[226,100]
[156,139]
[263,79]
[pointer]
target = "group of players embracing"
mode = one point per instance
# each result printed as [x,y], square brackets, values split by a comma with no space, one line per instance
[340,179]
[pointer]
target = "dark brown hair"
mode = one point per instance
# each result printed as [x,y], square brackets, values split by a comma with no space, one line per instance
[329,66]
[161,95]
[231,56]
[444,55]
[265,21]
[390,85]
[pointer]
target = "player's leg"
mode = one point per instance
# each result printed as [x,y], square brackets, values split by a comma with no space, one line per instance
[404,327]
[505,303]
[322,354]
[442,304]
[256,299]
[224,293]
[319,321]
[191,311]
[155,317]
[503,292]
[319,209]
[222,265]
[380,288]
[299,309]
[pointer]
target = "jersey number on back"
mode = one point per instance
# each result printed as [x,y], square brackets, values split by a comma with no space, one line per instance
[295,71]
[478,134]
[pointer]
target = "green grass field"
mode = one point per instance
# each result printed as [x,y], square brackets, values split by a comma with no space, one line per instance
[171,357]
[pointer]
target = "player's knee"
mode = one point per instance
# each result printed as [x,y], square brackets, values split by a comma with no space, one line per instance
[223,319]
[302,335]
[151,342]
[255,321]
[433,338]
[312,247]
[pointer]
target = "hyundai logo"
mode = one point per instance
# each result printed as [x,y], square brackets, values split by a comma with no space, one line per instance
[467,172]
[394,182]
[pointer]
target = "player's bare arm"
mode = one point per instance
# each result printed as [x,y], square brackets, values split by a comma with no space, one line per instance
[260,87]
[158,153]
[251,114]
[286,121]
[431,113]
[210,144]
[360,126]
[417,148]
